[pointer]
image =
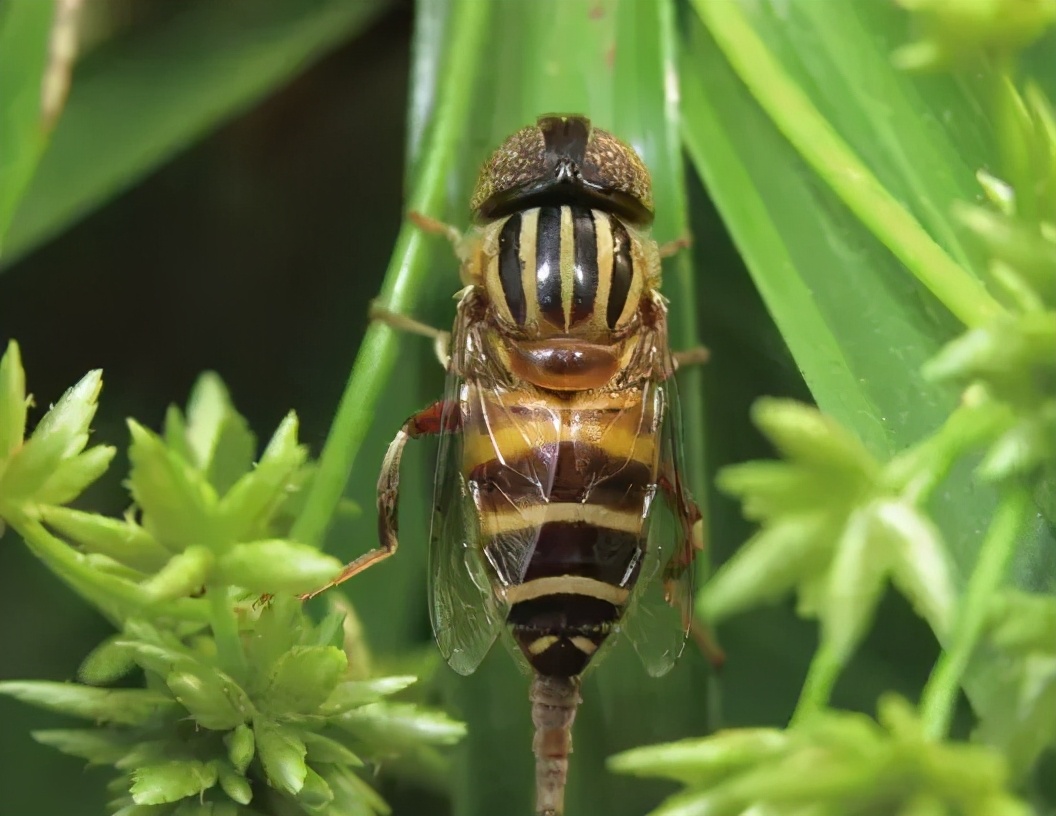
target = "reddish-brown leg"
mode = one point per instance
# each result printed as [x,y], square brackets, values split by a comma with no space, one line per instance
[425,423]
[693,541]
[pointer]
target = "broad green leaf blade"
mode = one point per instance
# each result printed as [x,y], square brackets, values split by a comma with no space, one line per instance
[612,62]
[858,323]
[24,29]
[206,63]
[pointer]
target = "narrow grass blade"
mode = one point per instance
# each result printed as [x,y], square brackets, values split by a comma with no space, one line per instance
[203,65]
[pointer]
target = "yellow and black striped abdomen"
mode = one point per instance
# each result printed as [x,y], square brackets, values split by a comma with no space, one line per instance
[566,271]
[561,489]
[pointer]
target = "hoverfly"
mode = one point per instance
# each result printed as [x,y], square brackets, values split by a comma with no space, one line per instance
[560,513]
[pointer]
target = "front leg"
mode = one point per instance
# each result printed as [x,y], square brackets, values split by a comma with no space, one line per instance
[429,422]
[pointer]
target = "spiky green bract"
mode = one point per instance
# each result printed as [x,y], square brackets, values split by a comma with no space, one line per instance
[52,466]
[1022,640]
[833,763]
[284,733]
[247,707]
[834,529]
[1011,359]
[951,32]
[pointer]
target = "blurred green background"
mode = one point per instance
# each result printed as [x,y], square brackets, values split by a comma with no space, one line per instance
[254,252]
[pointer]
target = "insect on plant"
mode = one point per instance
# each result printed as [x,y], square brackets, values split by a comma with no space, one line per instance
[560,510]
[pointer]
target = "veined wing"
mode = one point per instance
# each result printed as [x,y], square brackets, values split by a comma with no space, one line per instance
[658,617]
[465,612]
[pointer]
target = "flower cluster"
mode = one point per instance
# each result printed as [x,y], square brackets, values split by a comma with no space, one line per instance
[245,705]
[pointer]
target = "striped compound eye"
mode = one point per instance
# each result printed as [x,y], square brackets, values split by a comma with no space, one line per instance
[565,269]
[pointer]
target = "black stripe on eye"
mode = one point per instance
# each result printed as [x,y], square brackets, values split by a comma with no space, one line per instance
[548,266]
[510,268]
[585,280]
[622,272]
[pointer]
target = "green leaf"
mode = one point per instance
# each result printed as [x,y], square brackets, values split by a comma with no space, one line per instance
[94,745]
[804,435]
[206,64]
[303,679]
[249,505]
[218,437]
[920,563]
[12,394]
[856,582]
[170,782]
[106,663]
[24,29]
[282,754]
[214,700]
[353,693]
[121,706]
[276,567]
[400,726]
[236,786]
[768,567]
[122,540]
[73,476]
[355,796]
[177,502]
[316,793]
[60,435]
[241,747]
[859,324]
[324,750]
[953,33]
[703,761]
[184,574]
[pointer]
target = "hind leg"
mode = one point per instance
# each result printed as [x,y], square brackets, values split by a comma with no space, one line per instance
[428,422]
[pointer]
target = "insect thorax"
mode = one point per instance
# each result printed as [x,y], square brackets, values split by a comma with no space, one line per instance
[564,283]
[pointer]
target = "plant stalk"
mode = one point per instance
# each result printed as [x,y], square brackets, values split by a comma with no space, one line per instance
[824,671]
[377,354]
[224,622]
[939,697]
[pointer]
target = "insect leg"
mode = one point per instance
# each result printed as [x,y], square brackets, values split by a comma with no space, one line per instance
[401,322]
[697,355]
[672,248]
[692,523]
[428,224]
[425,423]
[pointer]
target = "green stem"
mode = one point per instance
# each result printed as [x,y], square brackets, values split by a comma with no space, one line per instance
[224,622]
[691,390]
[377,354]
[824,671]
[939,697]
[834,161]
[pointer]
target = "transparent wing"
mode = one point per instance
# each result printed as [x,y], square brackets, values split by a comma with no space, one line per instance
[466,613]
[658,615]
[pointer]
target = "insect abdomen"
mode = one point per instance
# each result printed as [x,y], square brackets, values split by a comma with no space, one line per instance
[561,492]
